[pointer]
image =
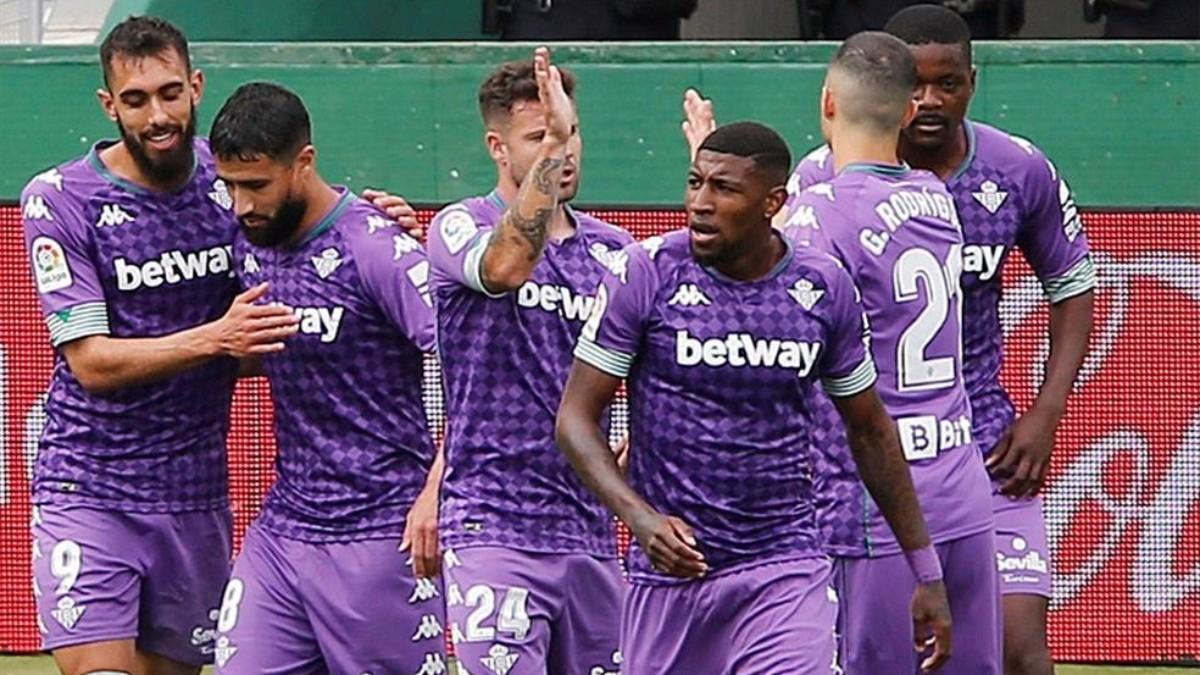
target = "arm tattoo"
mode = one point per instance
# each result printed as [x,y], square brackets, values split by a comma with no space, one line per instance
[533,230]
[542,176]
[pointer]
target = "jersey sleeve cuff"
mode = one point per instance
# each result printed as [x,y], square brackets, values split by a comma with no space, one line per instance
[473,266]
[77,322]
[858,381]
[611,361]
[1078,280]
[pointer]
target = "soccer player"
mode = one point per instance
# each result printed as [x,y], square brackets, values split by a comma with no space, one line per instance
[897,232]
[1008,195]
[532,580]
[320,584]
[130,247]
[723,331]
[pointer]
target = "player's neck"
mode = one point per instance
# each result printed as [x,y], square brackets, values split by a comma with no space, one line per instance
[942,161]
[120,162]
[757,261]
[321,199]
[857,147]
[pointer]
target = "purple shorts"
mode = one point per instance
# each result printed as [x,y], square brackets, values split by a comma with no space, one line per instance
[154,578]
[346,607]
[773,617]
[875,620]
[1022,553]
[520,613]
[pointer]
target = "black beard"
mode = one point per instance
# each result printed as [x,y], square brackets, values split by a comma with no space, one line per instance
[169,167]
[281,228]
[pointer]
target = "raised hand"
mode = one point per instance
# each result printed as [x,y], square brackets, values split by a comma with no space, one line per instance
[248,329]
[559,110]
[699,120]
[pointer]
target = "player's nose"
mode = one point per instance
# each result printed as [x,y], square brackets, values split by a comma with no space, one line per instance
[926,97]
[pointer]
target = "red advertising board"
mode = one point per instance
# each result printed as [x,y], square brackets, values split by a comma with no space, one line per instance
[1123,500]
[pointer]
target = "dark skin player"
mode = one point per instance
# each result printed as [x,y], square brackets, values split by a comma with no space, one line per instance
[730,203]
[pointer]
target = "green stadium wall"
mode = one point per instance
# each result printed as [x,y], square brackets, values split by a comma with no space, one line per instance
[1119,119]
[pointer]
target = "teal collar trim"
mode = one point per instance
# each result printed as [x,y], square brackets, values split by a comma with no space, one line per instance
[330,218]
[789,252]
[877,169]
[969,128]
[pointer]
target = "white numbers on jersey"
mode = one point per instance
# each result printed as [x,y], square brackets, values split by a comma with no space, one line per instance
[66,561]
[916,370]
[513,617]
[228,617]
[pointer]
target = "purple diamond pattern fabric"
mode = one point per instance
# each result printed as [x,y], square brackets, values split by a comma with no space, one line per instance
[354,442]
[721,375]
[111,258]
[505,362]
[897,233]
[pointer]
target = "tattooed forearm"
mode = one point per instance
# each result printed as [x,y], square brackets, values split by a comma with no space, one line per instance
[532,230]
[546,175]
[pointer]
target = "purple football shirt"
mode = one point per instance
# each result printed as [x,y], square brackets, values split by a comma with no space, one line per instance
[354,442]
[1008,194]
[721,376]
[897,233]
[112,258]
[505,360]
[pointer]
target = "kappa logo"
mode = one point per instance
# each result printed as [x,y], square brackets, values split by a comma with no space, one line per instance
[434,665]
[377,223]
[112,215]
[68,613]
[223,651]
[450,559]
[250,265]
[652,245]
[423,591]
[220,195]
[327,263]
[428,628]
[820,156]
[454,596]
[499,660]
[402,245]
[456,636]
[1072,223]
[689,295]
[37,209]
[615,261]
[50,177]
[823,189]
[807,295]
[804,217]
[990,196]
[1022,143]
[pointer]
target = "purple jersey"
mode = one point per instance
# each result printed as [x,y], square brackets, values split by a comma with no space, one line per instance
[721,376]
[354,444]
[505,361]
[897,233]
[1008,194]
[112,258]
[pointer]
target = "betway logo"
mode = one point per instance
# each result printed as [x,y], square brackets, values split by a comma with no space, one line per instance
[173,267]
[983,261]
[742,350]
[557,299]
[321,321]
[1030,562]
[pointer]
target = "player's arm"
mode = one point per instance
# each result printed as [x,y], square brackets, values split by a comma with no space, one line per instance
[518,241]
[103,363]
[420,526]
[848,377]
[1055,245]
[667,541]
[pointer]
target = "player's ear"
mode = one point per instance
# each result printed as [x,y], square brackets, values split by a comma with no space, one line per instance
[197,81]
[828,107]
[496,147]
[305,160]
[108,103]
[974,73]
[775,201]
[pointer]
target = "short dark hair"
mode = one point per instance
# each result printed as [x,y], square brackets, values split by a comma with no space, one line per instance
[931,24]
[139,37]
[261,119]
[885,76]
[511,83]
[755,141]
